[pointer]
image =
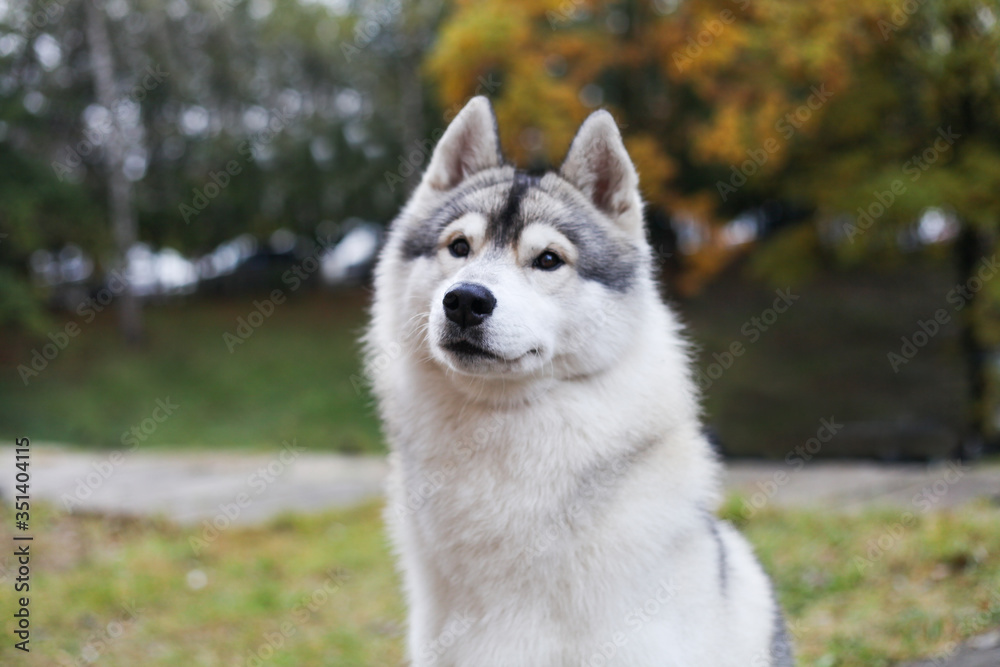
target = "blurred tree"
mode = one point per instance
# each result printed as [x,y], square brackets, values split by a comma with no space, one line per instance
[116,148]
[854,118]
[35,209]
[220,116]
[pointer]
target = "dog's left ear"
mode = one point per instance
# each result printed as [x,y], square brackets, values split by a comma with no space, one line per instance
[469,145]
[599,166]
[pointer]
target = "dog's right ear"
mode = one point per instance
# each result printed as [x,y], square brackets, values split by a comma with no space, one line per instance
[469,145]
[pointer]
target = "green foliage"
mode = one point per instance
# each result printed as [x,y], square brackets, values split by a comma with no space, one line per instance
[848,94]
[19,307]
[38,211]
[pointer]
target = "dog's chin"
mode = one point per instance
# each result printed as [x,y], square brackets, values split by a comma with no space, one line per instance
[474,358]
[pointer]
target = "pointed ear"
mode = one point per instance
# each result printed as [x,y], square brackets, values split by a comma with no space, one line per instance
[599,166]
[469,145]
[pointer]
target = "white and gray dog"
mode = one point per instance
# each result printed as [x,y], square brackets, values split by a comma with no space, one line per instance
[551,492]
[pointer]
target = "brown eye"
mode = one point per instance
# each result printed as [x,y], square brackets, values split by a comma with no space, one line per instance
[547,261]
[459,248]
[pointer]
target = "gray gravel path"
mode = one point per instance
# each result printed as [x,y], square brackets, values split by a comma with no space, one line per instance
[190,486]
[853,486]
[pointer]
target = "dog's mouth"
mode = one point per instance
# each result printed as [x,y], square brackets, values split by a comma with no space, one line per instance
[466,350]
[469,354]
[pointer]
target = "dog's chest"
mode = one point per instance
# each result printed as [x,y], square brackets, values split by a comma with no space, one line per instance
[502,488]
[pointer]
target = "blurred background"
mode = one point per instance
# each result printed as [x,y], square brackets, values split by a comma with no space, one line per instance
[165,164]
[193,194]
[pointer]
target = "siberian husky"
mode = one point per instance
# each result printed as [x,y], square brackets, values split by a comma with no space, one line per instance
[551,496]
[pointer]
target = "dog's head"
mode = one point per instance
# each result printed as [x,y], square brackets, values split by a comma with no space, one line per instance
[503,273]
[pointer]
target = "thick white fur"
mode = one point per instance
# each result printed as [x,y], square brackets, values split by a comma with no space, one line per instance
[553,510]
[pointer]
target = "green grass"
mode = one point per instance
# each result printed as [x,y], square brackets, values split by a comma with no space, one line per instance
[884,586]
[292,378]
[316,591]
[936,583]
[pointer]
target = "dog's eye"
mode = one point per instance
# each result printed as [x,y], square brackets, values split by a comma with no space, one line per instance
[459,248]
[548,261]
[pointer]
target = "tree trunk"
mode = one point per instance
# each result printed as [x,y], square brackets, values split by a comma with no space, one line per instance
[411,105]
[970,249]
[123,222]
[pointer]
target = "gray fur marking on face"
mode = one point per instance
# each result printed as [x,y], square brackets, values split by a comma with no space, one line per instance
[602,259]
[421,240]
[505,227]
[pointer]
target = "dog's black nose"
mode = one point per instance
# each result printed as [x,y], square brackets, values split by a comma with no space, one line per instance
[468,304]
